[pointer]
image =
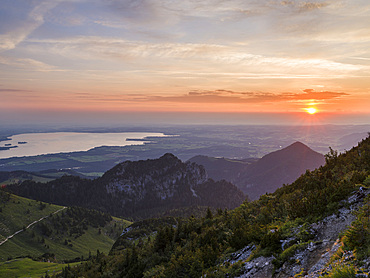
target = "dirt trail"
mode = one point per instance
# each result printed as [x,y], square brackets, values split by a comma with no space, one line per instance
[33,223]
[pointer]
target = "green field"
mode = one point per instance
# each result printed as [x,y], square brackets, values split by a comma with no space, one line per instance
[26,267]
[24,244]
[65,244]
[18,212]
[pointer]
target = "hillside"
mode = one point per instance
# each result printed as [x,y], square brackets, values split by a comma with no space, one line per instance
[44,231]
[259,176]
[43,176]
[19,176]
[138,189]
[300,230]
[222,168]
[277,168]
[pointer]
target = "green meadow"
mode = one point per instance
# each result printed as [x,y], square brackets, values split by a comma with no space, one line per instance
[25,267]
[78,238]
[18,212]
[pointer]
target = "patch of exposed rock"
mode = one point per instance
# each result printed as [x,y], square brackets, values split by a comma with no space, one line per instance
[260,267]
[316,256]
[241,255]
[312,260]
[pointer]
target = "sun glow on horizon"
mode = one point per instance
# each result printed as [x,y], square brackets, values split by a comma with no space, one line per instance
[311,110]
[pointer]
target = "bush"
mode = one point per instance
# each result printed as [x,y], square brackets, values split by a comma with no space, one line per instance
[343,271]
[357,237]
[288,253]
[271,242]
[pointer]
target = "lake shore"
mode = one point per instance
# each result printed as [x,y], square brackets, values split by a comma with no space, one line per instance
[33,144]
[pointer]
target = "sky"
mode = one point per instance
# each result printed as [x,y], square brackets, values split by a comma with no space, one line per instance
[118,59]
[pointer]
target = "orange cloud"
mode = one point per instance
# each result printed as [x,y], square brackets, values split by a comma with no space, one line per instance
[197,100]
[227,96]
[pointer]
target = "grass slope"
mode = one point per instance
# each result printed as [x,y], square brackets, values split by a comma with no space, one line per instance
[43,237]
[18,212]
[28,268]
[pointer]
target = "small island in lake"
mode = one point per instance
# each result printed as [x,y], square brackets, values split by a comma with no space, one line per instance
[7,147]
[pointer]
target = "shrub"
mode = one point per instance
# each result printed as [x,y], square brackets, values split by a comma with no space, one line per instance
[343,271]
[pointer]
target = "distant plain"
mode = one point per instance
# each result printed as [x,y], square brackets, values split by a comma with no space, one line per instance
[237,142]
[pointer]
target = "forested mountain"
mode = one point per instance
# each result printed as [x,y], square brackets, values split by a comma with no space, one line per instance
[291,232]
[259,176]
[138,189]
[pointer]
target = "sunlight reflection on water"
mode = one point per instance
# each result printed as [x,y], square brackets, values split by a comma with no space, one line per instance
[30,144]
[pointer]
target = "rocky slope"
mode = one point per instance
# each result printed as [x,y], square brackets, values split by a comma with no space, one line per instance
[312,260]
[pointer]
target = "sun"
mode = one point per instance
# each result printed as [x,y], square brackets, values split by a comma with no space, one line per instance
[311,110]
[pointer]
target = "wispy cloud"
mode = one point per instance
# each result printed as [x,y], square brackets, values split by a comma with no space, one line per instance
[121,48]
[116,49]
[15,90]
[140,11]
[304,6]
[216,97]
[34,19]
[227,96]
[27,63]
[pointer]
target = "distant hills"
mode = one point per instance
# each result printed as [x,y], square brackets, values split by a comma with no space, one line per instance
[222,168]
[258,176]
[167,184]
[138,189]
[237,142]
[42,176]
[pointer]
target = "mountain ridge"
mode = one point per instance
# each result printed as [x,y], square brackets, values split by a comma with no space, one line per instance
[256,177]
[299,230]
[278,168]
[142,189]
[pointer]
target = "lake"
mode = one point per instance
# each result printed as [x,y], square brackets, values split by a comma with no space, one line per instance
[30,144]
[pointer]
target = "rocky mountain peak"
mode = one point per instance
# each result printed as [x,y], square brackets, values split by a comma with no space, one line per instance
[141,189]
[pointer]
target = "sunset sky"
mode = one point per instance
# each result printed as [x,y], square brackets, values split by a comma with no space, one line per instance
[96,57]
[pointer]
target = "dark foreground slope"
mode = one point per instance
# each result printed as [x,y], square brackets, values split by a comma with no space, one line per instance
[268,232]
[259,176]
[138,189]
